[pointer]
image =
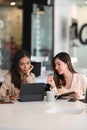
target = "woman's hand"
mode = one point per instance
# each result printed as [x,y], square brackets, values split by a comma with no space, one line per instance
[51,81]
[29,71]
[31,67]
[15,97]
[74,96]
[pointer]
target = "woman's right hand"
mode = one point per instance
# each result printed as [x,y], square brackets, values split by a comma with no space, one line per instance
[15,97]
[51,81]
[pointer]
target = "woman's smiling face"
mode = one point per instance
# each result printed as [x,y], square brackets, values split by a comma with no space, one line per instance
[60,66]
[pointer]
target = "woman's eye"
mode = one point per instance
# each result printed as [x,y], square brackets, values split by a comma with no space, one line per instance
[21,64]
[28,63]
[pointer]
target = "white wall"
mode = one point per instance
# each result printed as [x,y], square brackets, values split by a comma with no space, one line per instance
[82,49]
[64,10]
[73,15]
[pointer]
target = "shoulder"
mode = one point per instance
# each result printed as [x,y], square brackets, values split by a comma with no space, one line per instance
[80,76]
[8,75]
[7,80]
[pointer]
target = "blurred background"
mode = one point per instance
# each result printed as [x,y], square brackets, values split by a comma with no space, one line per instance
[44,28]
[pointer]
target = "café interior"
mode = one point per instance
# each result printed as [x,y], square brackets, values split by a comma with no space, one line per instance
[44,28]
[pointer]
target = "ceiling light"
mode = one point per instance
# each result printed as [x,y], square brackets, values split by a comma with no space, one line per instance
[85,2]
[12,3]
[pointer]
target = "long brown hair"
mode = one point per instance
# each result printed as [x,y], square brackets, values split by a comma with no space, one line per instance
[59,78]
[14,70]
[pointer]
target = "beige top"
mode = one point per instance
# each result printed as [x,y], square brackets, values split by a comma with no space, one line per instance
[8,89]
[79,85]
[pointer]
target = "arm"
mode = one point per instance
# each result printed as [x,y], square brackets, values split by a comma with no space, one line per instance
[8,89]
[4,89]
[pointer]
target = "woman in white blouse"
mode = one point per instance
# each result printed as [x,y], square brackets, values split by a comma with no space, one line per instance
[65,78]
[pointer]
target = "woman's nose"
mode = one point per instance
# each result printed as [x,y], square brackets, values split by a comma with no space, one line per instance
[25,66]
[56,67]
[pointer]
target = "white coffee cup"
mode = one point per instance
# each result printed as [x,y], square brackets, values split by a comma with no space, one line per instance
[50,96]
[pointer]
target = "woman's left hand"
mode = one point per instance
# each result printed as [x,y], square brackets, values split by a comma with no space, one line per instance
[29,71]
[74,96]
[31,67]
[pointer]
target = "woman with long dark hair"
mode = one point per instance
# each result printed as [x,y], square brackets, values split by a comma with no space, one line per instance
[20,72]
[65,78]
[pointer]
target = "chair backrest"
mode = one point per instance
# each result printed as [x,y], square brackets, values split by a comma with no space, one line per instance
[39,58]
[37,68]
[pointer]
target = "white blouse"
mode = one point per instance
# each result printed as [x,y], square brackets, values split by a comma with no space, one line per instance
[79,85]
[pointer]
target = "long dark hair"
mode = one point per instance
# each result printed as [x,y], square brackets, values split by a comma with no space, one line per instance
[14,70]
[59,78]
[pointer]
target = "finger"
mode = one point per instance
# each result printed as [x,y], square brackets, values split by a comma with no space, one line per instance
[31,67]
[46,74]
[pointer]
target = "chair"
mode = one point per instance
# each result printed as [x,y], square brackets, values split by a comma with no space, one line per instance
[37,68]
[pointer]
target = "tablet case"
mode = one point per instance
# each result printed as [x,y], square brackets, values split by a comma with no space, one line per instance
[32,92]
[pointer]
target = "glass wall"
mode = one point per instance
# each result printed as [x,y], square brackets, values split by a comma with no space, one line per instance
[42,32]
[10,33]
